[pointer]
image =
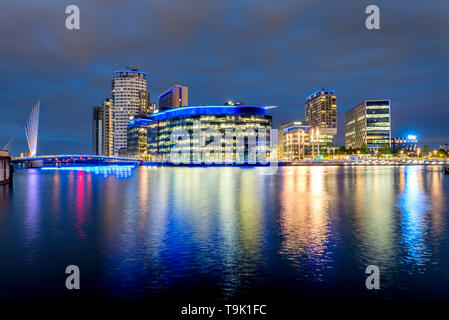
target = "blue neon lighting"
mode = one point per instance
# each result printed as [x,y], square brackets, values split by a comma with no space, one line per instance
[326,91]
[208,110]
[140,121]
[130,71]
[377,102]
[306,128]
[170,90]
[92,168]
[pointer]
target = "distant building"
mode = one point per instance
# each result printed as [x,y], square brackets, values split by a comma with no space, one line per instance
[108,128]
[97,130]
[407,145]
[150,137]
[321,110]
[297,139]
[232,103]
[174,97]
[146,107]
[368,123]
[445,147]
[127,86]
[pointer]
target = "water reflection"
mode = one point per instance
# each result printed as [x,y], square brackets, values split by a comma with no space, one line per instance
[414,205]
[32,207]
[374,205]
[153,229]
[305,219]
[120,172]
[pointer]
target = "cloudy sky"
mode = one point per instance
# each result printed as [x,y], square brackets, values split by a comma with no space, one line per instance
[263,52]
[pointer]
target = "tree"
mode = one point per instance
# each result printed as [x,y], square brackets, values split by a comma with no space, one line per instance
[384,150]
[364,148]
[425,149]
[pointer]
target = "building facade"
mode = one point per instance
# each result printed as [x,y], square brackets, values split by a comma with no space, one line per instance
[127,88]
[97,130]
[138,139]
[146,107]
[445,147]
[321,110]
[209,133]
[406,145]
[174,97]
[108,128]
[297,140]
[368,124]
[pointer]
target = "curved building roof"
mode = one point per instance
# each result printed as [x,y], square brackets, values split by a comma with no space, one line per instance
[209,110]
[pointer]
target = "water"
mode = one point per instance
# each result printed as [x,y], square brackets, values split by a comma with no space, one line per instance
[225,233]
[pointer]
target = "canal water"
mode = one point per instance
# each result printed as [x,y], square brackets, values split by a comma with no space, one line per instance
[225,233]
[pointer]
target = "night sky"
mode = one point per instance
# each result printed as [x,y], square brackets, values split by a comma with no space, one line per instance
[256,51]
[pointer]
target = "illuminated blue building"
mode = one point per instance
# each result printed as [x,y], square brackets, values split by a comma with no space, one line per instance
[224,125]
[407,145]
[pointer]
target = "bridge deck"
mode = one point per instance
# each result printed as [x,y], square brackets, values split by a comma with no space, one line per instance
[78,159]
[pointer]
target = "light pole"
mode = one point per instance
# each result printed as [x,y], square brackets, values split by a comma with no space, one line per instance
[313,145]
[303,144]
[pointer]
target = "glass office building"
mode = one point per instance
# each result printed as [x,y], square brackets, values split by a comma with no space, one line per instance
[298,140]
[174,97]
[368,123]
[137,136]
[202,133]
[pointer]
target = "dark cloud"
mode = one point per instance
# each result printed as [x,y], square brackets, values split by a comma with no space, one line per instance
[256,51]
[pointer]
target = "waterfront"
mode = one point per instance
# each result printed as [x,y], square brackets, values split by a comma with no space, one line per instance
[225,232]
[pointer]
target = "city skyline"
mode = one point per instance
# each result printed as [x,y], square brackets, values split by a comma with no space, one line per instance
[258,62]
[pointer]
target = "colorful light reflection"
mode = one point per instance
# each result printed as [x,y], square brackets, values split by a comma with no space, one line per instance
[117,171]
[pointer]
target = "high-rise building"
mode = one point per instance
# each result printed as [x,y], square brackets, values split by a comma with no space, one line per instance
[174,97]
[127,86]
[368,123]
[108,128]
[321,110]
[97,130]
